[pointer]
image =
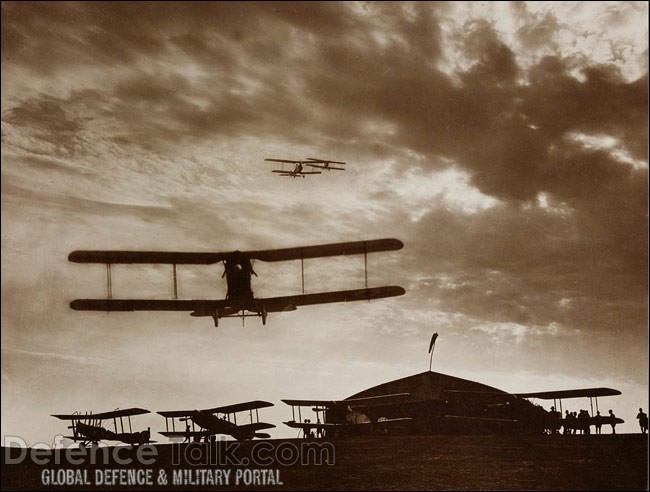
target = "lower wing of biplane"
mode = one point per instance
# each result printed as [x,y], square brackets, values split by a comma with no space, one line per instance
[239,301]
[203,425]
[87,428]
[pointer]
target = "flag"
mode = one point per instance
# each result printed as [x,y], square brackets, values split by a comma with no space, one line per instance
[433,341]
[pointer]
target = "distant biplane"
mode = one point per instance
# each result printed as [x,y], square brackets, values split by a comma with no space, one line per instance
[240,300]
[298,170]
[345,416]
[219,420]
[87,428]
[325,164]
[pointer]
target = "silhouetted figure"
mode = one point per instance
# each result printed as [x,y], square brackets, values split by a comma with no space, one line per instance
[307,431]
[583,423]
[567,417]
[571,422]
[555,419]
[612,421]
[187,433]
[643,420]
[598,422]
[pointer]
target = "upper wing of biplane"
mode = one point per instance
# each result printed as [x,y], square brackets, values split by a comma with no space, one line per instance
[574,393]
[324,161]
[323,250]
[237,407]
[127,412]
[283,254]
[324,164]
[287,161]
[388,399]
[240,407]
[310,403]
[176,413]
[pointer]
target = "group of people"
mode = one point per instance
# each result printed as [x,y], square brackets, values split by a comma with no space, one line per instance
[308,432]
[581,422]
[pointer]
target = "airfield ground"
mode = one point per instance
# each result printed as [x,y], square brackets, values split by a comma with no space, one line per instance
[558,462]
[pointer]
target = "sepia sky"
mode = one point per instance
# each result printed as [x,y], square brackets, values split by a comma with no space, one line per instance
[506,144]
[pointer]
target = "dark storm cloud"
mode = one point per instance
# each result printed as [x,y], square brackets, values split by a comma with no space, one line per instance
[336,70]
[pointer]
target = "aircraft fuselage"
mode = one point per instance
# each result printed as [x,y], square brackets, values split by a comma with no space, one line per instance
[216,425]
[238,277]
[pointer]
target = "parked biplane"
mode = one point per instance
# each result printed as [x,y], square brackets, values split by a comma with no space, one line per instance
[87,428]
[435,403]
[219,420]
[582,422]
[351,416]
[240,300]
[298,169]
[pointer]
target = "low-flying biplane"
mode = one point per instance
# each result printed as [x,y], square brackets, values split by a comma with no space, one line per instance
[344,417]
[324,164]
[87,428]
[240,300]
[219,420]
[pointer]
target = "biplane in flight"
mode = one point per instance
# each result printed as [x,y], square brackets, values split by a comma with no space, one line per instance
[87,428]
[204,425]
[324,164]
[298,169]
[350,416]
[240,300]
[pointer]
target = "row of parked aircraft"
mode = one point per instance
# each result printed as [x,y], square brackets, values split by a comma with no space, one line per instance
[360,415]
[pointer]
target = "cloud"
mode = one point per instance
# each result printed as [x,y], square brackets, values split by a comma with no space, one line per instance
[504,144]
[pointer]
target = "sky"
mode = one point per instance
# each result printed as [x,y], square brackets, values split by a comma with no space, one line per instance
[506,145]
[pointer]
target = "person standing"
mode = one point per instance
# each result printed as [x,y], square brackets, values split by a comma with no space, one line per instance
[612,421]
[643,420]
[599,422]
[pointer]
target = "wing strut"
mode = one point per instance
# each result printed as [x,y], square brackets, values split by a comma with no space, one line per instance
[175,283]
[365,262]
[108,280]
[302,272]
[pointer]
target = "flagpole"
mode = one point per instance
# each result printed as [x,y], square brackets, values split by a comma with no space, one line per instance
[432,346]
